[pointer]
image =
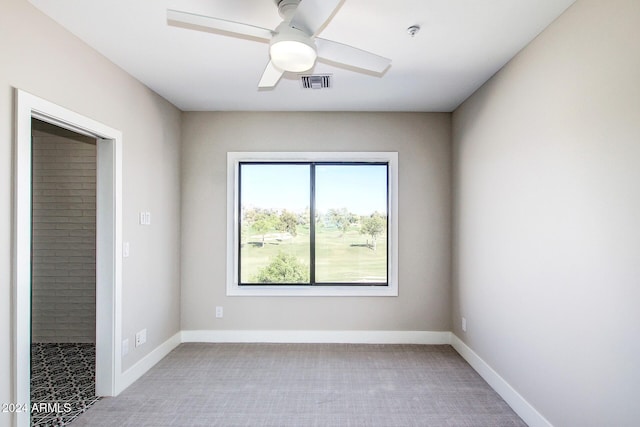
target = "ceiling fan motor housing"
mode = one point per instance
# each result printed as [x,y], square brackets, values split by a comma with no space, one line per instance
[286,8]
[291,49]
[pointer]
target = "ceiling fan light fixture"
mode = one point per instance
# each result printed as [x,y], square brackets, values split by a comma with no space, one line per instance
[290,55]
[292,50]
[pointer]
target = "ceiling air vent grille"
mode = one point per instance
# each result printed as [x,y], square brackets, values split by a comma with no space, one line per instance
[316,81]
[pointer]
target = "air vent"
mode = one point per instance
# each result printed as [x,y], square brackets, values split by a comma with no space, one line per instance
[316,81]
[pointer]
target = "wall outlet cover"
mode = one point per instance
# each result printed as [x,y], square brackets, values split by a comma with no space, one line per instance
[141,337]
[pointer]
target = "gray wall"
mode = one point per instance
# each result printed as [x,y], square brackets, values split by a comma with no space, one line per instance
[547,203]
[63,283]
[423,144]
[38,56]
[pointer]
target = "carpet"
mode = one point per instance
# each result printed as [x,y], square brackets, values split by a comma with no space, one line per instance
[306,385]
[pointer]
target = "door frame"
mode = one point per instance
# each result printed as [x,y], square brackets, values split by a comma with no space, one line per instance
[108,245]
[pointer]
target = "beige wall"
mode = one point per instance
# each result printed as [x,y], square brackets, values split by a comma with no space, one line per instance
[38,56]
[422,141]
[547,204]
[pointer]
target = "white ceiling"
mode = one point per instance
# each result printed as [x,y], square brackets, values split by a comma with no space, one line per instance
[461,44]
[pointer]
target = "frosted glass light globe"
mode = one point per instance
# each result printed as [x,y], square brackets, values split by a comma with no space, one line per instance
[292,55]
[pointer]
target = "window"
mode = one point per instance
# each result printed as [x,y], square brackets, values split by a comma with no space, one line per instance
[312,224]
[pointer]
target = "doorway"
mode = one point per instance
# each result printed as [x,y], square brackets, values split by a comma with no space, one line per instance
[108,246]
[63,274]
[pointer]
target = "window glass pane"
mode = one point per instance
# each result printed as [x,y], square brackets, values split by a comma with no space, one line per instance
[351,223]
[274,228]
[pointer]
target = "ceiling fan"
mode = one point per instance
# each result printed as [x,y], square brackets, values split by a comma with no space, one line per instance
[293,45]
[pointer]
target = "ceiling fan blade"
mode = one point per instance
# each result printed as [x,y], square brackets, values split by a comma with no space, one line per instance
[199,22]
[311,15]
[270,77]
[351,56]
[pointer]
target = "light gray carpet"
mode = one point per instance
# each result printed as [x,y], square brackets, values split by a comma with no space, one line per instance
[306,385]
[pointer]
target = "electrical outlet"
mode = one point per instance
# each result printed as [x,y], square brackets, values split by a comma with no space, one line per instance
[125,346]
[464,324]
[219,312]
[141,337]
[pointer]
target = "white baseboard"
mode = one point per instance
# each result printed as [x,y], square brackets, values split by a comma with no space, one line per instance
[352,337]
[132,374]
[518,403]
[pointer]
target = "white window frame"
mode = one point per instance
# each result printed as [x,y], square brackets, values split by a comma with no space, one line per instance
[234,289]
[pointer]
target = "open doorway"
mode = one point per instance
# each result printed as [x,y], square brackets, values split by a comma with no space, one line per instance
[63,274]
[108,248]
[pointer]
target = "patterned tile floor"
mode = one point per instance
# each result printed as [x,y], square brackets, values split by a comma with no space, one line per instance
[62,382]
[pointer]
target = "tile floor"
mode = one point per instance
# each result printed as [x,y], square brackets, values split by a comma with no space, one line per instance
[62,382]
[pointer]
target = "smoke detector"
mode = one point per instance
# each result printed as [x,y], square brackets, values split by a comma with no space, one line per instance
[413,30]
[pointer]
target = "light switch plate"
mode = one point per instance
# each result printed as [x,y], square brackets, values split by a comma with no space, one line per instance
[145,218]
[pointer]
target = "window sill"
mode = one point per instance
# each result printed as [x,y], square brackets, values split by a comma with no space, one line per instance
[312,291]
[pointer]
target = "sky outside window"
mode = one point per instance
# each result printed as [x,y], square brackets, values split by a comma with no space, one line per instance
[275,186]
[361,189]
